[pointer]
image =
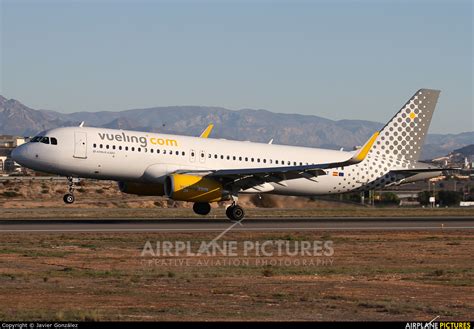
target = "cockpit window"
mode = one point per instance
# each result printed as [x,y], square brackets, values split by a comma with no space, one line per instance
[45,140]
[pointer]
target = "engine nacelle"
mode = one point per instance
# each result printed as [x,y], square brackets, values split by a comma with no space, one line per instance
[141,188]
[182,187]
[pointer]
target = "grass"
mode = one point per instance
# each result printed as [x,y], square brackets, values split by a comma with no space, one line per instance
[99,276]
[11,194]
[98,208]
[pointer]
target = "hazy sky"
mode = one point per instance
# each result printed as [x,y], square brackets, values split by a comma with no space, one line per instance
[336,59]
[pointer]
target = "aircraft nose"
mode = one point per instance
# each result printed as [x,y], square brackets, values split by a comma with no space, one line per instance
[19,154]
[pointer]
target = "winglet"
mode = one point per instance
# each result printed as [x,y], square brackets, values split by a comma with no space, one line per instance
[207,131]
[364,150]
[82,124]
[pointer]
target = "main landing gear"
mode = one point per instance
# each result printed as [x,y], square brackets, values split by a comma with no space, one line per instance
[202,208]
[68,198]
[234,212]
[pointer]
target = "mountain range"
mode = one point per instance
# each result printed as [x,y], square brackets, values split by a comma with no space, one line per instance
[245,124]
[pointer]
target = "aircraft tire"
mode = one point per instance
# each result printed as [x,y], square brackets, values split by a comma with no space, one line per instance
[202,208]
[68,198]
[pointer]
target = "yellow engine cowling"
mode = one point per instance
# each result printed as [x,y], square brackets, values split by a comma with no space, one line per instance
[141,188]
[182,187]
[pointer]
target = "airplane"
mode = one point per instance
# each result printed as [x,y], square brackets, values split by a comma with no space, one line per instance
[203,170]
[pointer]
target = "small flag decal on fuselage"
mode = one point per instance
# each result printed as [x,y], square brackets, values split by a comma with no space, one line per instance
[338,173]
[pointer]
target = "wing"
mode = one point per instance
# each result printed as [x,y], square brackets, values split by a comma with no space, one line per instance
[248,177]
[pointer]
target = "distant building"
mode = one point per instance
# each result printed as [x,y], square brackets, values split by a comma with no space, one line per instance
[2,163]
[10,142]
[7,144]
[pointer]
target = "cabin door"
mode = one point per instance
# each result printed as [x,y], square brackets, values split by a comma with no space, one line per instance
[80,144]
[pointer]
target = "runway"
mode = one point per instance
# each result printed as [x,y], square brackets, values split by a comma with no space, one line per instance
[251,224]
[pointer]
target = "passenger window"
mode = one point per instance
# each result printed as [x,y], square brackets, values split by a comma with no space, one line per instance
[202,155]
[251,159]
[45,140]
[94,146]
[177,153]
[107,146]
[233,158]
[294,163]
[101,146]
[139,149]
[276,161]
[54,141]
[183,153]
[192,154]
[215,156]
[228,157]
[264,160]
[246,159]
[164,151]
[222,157]
[240,158]
[289,163]
[210,156]
[126,148]
[157,151]
[120,147]
[113,147]
[258,160]
[151,150]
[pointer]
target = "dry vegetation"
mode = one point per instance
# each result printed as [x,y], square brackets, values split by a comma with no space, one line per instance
[102,199]
[101,276]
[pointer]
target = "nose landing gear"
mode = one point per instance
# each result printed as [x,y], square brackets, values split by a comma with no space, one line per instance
[68,198]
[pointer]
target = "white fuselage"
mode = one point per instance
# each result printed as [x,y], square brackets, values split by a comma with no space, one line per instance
[148,157]
[389,157]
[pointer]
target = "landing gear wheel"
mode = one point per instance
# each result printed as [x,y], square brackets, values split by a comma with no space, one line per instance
[227,211]
[235,213]
[202,208]
[68,198]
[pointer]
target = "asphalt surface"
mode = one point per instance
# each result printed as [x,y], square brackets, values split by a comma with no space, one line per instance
[251,224]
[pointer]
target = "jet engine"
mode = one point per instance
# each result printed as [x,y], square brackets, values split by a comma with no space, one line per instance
[141,188]
[182,187]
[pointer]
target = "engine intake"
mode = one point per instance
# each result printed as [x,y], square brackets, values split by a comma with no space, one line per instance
[182,187]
